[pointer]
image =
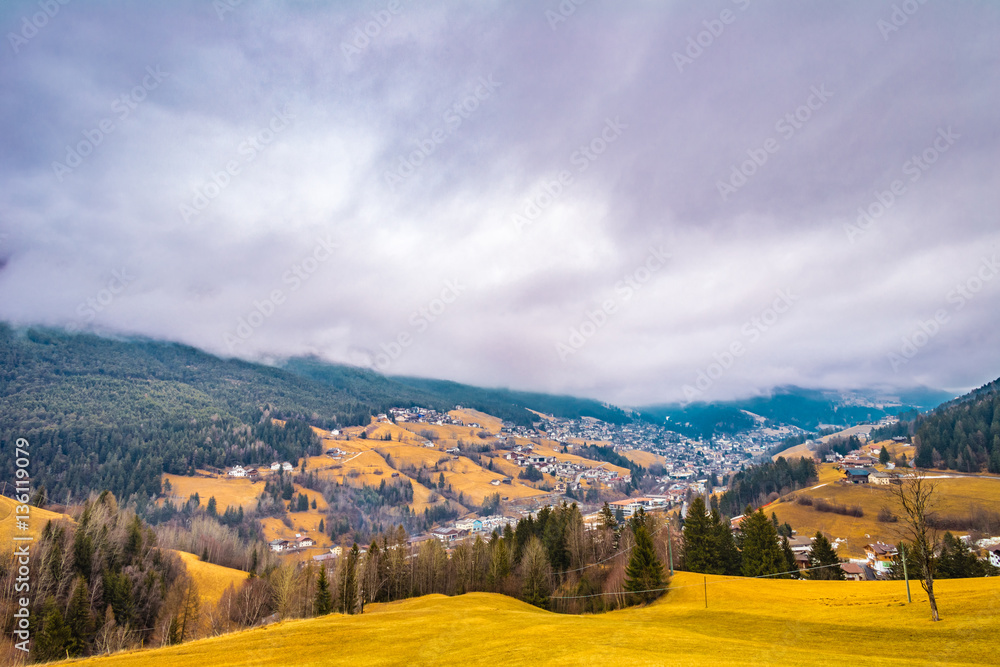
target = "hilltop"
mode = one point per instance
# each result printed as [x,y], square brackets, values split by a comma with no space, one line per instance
[748,621]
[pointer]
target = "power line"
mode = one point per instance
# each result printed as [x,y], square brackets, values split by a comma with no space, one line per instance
[675,588]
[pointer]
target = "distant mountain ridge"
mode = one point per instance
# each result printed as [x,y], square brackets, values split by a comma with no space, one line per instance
[796,406]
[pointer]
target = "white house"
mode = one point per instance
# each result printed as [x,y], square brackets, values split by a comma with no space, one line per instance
[286,466]
[237,471]
[275,466]
[995,558]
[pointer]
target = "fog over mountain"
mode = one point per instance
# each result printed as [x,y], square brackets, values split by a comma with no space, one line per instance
[641,204]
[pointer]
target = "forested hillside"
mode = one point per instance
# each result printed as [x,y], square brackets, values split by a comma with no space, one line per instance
[962,435]
[116,414]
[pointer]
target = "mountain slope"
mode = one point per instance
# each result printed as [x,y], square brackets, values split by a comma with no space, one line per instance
[116,414]
[805,408]
[963,434]
[748,621]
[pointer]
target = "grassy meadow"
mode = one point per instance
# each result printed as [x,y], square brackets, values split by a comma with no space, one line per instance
[748,621]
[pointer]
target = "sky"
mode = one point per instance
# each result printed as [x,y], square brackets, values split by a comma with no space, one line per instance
[658,202]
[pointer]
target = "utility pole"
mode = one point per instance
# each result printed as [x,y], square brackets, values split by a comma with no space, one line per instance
[670,549]
[906,574]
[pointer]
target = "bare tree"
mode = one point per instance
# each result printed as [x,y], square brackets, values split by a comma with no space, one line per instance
[916,497]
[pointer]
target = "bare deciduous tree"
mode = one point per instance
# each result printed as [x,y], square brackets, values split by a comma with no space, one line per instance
[916,498]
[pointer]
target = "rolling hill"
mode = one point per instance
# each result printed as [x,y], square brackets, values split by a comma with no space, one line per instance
[748,621]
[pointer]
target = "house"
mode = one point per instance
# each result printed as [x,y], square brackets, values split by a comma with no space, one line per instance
[880,556]
[445,535]
[253,474]
[237,471]
[857,572]
[303,541]
[287,467]
[882,478]
[857,476]
[995,557]
[800,545]
[278,545]
[276,466]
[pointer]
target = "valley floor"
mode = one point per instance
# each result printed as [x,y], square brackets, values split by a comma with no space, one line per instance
[748,621]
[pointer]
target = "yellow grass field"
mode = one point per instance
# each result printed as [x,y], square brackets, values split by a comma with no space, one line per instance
[645,459]
[747,622]
[469,416]
[212,579]
[228,492]
[956,495]
[37,519]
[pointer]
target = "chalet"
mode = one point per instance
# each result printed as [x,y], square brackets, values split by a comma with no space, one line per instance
[453,450]
[880,556]
[287,467]
[253,474]
[278,545]
[857,572]
[445,535]
[995,557]
[883,478]
[857,476]
[800,545]
[237,471]
[303,541]
[276,466]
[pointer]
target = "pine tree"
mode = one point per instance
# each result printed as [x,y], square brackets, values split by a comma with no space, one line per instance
[644,574]
[761,552]
[725,545]
[957,561]
[883,456]
[79,619]
[324,599]
[212,508]
[791,567]
[821,554]
[349,581]
[699,540]
[54,636]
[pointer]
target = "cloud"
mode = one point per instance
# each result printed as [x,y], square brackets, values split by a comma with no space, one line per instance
[536,161]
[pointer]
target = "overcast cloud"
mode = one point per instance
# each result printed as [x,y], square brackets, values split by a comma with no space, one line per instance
[506,195]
